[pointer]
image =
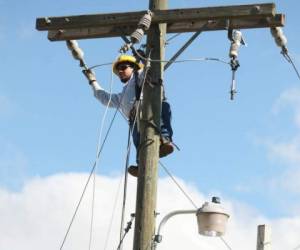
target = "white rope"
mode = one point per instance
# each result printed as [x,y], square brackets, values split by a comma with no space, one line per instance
[97,160]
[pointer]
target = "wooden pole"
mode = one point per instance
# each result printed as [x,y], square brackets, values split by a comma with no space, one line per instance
[150,139]
[263,238]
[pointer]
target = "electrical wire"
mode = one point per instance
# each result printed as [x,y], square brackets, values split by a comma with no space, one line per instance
[125,187]
[172,37]
[225,243]
[97,161]
[112,215]
[185,60]
[90,175]
[177,184]
[129,224]
[100,65]
[202,59]
[289,59]
[189,198]
[176,61]
[92,211]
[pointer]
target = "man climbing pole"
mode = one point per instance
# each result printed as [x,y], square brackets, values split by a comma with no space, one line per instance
[132,74]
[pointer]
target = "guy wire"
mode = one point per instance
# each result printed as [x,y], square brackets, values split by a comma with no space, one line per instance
[178,185]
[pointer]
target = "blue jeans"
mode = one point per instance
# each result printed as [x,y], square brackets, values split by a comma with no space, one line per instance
[166,130]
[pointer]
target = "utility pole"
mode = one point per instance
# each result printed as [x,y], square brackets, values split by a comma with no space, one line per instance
[163,21]
[263,238]
[150,139]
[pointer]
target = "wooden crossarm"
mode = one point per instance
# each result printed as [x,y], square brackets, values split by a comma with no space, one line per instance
[113,31]
[159,16]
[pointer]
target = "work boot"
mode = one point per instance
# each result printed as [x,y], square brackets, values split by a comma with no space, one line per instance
[166,147]
[133,170]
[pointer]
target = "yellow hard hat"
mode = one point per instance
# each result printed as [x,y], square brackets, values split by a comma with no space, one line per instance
[126,58]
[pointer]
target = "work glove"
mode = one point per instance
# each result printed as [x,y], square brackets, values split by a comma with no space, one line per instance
[90,75]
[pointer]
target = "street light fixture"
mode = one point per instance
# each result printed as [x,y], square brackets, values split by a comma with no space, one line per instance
[211,218]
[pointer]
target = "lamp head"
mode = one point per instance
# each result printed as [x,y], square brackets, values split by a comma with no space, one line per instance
[212,218]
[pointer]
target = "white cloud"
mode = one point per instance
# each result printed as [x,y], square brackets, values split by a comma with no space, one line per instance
[288,152]
[37,217]
[289,98]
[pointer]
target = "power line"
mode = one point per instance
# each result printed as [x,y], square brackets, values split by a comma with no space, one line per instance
[112,215]
[168,61]
[90,175]
[178,185]
[289,59]
[189,198]
[225,243]
[97,160]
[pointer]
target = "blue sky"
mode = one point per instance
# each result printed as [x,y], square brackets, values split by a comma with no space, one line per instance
[246,150]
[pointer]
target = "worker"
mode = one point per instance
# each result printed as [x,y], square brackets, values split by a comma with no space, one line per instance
[131,74]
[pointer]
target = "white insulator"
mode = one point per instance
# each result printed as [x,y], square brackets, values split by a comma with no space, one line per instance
[276,31]
[280,38]
[77,54]
[281,41]
[237,36]
[72,44]
[234,49]
[235,44]
[145,21]
[137,35]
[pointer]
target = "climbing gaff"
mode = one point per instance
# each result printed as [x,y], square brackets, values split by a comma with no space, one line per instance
[236,38]
[137,35]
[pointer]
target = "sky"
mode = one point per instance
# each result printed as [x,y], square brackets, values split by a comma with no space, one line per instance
[246,151]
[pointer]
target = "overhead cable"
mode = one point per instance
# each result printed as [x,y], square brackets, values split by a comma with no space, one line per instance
[91,172]
[180,51]
[225,243]
[176,61]
[172,37]
[178,185]
[129,224]
[112,215]
[97,160]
